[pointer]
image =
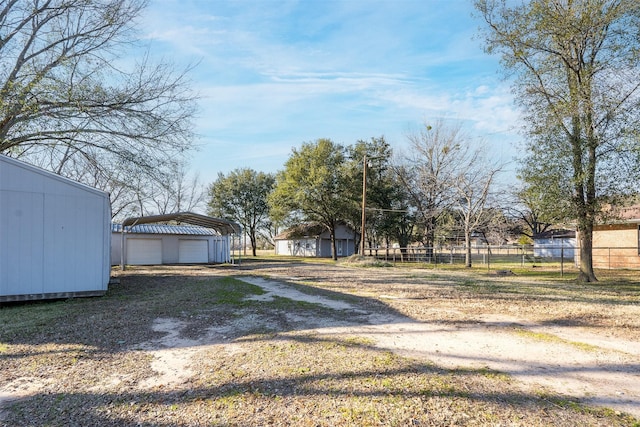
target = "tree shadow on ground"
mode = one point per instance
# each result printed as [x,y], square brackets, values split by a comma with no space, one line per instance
[375,388]
[61,338]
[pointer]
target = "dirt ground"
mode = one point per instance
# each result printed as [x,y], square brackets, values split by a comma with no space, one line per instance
[539,344]
[543,335]
[596,368]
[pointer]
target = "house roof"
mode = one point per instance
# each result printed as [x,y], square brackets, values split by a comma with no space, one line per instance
[301,231]
[50,175]
[627,214]
[190,230]
[556,234]
[222,226]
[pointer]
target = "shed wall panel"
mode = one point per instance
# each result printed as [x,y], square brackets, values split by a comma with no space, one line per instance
[144,251]
[220,249]
[75,224]
[169,249]
[21,250]
[193,251]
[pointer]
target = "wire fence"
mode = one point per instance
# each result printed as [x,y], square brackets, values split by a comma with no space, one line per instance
[510,256]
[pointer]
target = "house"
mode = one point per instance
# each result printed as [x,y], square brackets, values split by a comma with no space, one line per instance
[149,240]
[55,239]
[616,243]
[556,243]
[314,240]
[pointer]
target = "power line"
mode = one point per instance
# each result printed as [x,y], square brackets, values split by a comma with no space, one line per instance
[386,210]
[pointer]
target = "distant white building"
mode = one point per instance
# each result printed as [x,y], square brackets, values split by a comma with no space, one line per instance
[54,235]
[156,244]
[555,244]
[314,240]
[149,240]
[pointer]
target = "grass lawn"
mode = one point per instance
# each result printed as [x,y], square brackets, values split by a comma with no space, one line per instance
[248,360]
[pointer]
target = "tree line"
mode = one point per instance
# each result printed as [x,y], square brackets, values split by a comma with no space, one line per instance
[445,181]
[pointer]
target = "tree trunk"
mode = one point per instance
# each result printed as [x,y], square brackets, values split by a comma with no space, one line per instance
[430,236]
[586,274]
[253,240]
[334,252]
[467,244]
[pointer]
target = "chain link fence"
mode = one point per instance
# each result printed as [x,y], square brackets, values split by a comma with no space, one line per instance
[511,256]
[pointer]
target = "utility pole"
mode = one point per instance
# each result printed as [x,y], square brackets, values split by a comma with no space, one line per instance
[364,202]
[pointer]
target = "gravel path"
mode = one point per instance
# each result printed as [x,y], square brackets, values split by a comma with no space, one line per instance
[537,343]
[598,370]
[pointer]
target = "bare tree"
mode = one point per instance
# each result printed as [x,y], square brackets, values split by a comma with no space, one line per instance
[430,172]
[473,178]
[448,174]
[64,101]
[178,193]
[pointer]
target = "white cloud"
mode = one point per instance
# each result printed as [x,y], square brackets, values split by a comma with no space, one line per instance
[275,74]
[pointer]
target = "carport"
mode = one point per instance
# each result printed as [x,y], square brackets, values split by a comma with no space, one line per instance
[222,226]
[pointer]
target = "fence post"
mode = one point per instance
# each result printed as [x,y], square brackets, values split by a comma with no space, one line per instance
[561,259]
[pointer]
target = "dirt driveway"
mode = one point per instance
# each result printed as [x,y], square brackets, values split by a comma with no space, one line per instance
[135,359]
[580,346]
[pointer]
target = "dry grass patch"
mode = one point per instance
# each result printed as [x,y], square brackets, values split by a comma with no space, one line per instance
[270,364]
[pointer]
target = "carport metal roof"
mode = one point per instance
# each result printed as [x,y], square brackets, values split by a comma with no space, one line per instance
[222,226]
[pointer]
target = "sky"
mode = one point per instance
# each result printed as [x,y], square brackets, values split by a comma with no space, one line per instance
[273,74]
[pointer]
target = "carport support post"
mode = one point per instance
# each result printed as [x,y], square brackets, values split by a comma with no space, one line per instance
[561,258]
[122,249]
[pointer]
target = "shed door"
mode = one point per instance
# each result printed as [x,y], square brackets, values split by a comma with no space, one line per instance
[144,251]
[193,252]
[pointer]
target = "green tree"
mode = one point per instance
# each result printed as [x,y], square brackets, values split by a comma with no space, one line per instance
[404,216]
[375,155]
[241,196]
[313,186]
[66,105]
[577,63]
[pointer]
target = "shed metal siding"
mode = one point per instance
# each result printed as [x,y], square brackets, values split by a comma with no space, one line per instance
[54,235]
[219,247]
[193,251]
[144,251]
[21,249]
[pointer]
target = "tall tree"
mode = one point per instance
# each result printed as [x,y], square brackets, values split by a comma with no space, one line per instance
[405,215]
[375,155]
[313,185]
[577,63]
[242,196]
[66,97]
[471,181]
[431,170]
[179,193]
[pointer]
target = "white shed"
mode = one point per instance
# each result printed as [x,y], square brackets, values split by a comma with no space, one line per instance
[555,244]
[314,240]
[54,235]
[146,241]
[155,244]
